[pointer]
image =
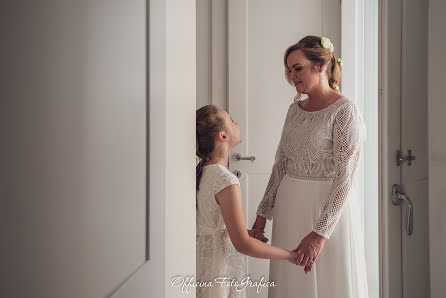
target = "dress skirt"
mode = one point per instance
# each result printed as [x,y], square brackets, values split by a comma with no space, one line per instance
[339,271]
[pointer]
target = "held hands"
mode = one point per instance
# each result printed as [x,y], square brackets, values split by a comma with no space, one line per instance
[292,258]
[308,250]
[305,254]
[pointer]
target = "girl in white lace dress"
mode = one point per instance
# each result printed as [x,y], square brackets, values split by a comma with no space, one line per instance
[222,237]
[310,193]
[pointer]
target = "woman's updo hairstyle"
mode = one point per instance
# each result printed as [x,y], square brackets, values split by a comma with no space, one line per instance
[314,51]
[208,125]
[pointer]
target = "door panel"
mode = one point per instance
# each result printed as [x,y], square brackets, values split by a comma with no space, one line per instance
[414,177]
[404,258]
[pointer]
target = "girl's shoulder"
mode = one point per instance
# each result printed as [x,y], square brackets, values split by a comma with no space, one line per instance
[222,177]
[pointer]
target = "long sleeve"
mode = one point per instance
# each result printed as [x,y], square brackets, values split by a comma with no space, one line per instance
[266,206]
[348,135]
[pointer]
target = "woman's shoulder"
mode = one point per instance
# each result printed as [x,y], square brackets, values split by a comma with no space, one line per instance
[345,103]
[293,106]
[346,106]
[292,110]
[348,113]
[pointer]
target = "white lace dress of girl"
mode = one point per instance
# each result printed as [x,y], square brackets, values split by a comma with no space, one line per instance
[216,256]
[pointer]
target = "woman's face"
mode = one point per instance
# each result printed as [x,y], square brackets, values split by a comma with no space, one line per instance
[302,72]
[232,128]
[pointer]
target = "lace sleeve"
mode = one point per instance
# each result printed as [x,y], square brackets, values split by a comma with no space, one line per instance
[348,135]
[266,206]
[224,179]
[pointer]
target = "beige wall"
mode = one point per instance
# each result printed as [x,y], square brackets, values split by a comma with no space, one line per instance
[204,52]
[437,147]
[172,161]
[73,148]
[212,45]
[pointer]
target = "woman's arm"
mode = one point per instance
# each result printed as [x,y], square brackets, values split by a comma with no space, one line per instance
[348,136]
[230,203]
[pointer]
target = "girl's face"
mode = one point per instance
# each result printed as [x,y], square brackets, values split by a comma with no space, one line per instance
[232,129]
[302,72]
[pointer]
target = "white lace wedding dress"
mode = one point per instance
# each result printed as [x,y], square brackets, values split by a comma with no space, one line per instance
[311,189]
[216,256]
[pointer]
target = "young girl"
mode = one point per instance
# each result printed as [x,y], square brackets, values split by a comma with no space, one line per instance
[222,237]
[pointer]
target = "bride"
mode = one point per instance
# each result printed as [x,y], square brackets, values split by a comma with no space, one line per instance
[310,193]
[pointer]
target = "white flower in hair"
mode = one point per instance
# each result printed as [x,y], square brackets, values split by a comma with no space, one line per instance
[326,44]
[340,62]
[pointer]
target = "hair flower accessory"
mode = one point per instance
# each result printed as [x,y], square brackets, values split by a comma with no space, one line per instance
[340,62]
[326,44]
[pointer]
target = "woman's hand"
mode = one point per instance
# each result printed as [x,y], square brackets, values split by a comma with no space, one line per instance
[258,229]
[308,250]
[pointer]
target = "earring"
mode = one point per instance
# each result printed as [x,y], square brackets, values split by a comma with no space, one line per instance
[320,76]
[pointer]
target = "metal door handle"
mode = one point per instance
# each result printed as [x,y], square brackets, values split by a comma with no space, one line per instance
[238,157]
[397,198]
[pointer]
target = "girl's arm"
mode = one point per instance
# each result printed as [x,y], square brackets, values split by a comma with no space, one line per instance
[230,203]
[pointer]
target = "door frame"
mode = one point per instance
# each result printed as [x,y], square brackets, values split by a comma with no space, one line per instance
[390,40]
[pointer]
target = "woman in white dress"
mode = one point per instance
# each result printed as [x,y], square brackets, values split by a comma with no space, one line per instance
[222,236]
[310,193]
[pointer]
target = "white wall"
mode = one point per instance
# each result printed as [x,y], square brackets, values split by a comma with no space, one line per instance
[437,147]
[73,153]
[370,156]
[360,83]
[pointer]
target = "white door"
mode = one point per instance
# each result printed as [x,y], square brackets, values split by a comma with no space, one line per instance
[258,95]
[405,262]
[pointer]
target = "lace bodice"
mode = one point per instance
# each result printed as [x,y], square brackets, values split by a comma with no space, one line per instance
[320,145]
[216,255]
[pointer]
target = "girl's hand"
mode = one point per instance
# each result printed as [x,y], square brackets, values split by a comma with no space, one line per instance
[292,258]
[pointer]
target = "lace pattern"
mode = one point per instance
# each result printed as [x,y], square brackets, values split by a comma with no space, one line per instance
[216,255]
[320,145]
